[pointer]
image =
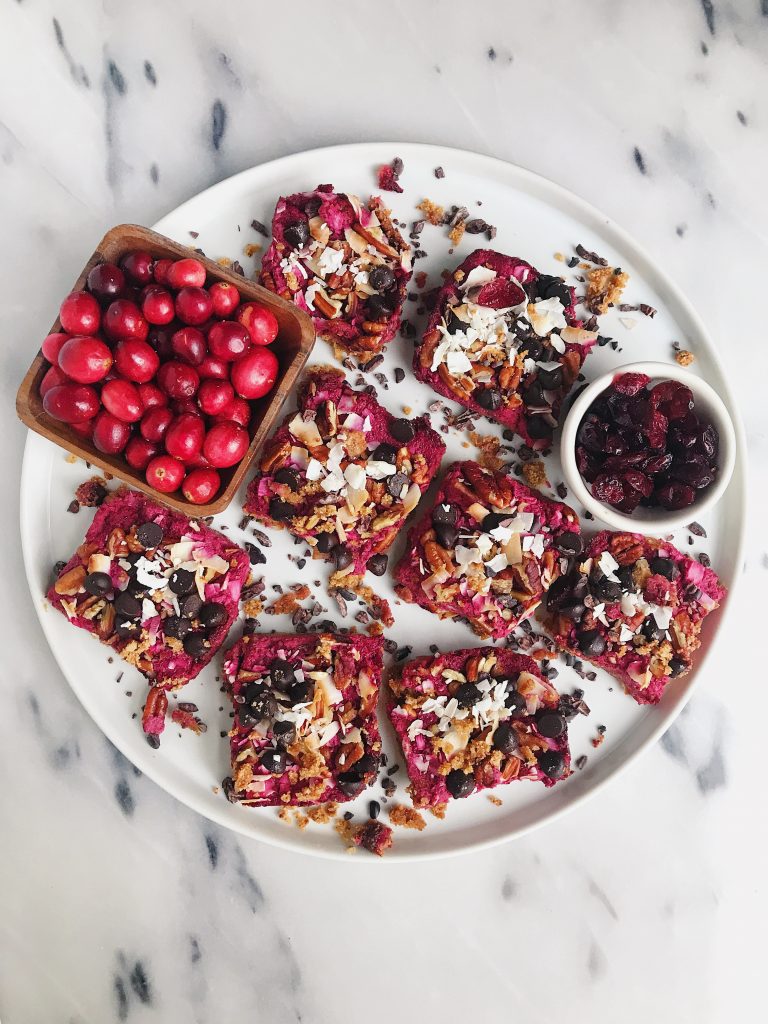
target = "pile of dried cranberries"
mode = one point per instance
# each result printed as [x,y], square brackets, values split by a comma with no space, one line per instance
[152,363]
[641,445]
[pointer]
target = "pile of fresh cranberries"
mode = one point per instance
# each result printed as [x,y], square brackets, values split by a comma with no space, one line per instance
[153,364]
[641,445]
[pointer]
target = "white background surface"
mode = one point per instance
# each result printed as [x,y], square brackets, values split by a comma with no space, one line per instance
[118,903]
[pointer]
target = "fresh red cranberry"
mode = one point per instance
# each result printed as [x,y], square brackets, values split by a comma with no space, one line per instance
[161,271]
[85,359]
[180,406]
[136,360]
[225,444]
[138,266]
[123,400]
[239,411]
[80,313]
[259,321]
[184,437]
[201,486]
[151,395]
[193,306]
[139,452]
[53,345]
[213,368]
[228,340]
[255,373]
[160,340]
[225,298]
[155,422]
[214,396]
[164,473]
[71,403]
[52,378]
[123,319]
[110,435]
[106,281]
[186,273]
[178,380]
[188,344]
[83,429]
[158,306]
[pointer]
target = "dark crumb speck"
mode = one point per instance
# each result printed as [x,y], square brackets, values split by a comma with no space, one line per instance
[260,228]
[697,529]
[741,116]
[491,54]
[639,161]
[73,506]
[218,123]
[581,762]
[149,73]
[154,174]
[439,172]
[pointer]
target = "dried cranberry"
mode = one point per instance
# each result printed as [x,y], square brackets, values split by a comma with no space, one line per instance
[674,496]
[639,481]
[587,464]
[630,383]
[630,501]
[500,294]
[671,398]
[607,487]
[706,440]
[655,428]
[621,462]
[615,443]
[591,434]
[656,463]
[694,470]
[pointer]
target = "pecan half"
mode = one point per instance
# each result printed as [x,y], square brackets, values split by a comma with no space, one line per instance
[275,454]
[489,487]
[437,557]
[105,627]
[327,419]
[71,582]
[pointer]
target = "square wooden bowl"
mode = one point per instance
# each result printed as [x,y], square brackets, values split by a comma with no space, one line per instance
[292,346]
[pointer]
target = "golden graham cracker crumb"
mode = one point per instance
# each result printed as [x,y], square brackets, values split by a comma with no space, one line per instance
[432,212]
[535,473]
[494,800]
[684,357]
[406,817]
[252,248]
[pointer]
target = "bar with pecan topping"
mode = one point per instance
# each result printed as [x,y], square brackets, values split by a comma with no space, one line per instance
[162,590]
[305,728]
[635,607]
[344,262]
[343,473]
[475,719]
[504,341]
[487,550]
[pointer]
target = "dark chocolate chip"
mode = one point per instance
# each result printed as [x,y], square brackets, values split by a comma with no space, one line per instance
[350,783]
[213,614]
[181,581]
[150,535]
[402,430]
[552,379]
[259,704]
[326,542]
[504,739]
[569,543]
[605,589]
[396,483]
[676,667]
[177,626]
[296,234]
[274,761]
[459,784]
[539,428]
[488,398]
[591,643]
[284,733]
[289,477]
[381,307]
[98,583]
[282,674]
[127,605]
[342,556]
[446,534]
[301,693]
[492,521]
[444,513]
[560,592]
[381,278]
[624,574]
[377,564]
[126,628]
[550,723]
[281,509]
[650,628]
[552,763]
[664,567]
[468,695]
[384,453]
[190,605]
[195,645]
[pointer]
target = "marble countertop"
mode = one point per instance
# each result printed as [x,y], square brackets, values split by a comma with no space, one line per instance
[118,903]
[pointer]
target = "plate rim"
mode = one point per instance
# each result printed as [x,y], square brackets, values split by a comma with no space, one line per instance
[153,769]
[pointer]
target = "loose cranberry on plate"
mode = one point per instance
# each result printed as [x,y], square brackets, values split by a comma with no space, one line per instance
[225,298]
[164,473]
[123,319]
[225,444]
[178,380]
[201,486]
[155,422]
[80,313]
[186,273]
[158,306]
[228,340]
[138,266]
[106,281]
[184,437]
[211,367]
[71,403]
[239,411]
[85,359]
[259,321]
[52,346]
[255,373]
[136,360]
[52,379]
[214,396]
[123,400]
[139,452]
[110,435]
[151,395]
[188,344]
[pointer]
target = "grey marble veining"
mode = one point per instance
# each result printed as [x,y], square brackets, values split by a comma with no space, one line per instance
[116,902]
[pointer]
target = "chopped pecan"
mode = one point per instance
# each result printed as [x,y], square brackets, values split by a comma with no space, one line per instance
[461,386]
[275,454]
[471,668]
[437,557]
[71,582]
[116,543]
[105,627]
[428,346]
[327,419]
[489,486]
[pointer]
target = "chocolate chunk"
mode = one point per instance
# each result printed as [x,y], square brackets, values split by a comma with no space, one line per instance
[676,667]
[381,307]
[181,581]
[446,535]
[569,543]
[381,278]
[384,453]
[459,784]
[326,542]
[342,556]
[301,693]
[515,701]
[402,430]
[377,564]
[488,398]
[127,628]
[552,763]
[624,574]
[396,483]
[444,513]
[504,739]
[190,605]
[539,428]
[280,509]
[284,733]
[150,535]
[552,379]
[97,583]
[177,626]
[213,614]
[350,783]
[296,234]
[650,629]
[195,645]
[274,761]
[550,723]
[127,605]
[591,643]
[282,674]
[664,567]
[289,477]
[468,695]
[492,521]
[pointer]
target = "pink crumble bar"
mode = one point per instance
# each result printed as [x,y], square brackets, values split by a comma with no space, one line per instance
[344,262]
[504,341]
[475,719]
[487,550]
[162,590]
[305,729]
[343,473]
[635,607]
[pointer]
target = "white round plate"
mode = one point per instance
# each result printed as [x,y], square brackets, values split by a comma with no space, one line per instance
[535,219]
